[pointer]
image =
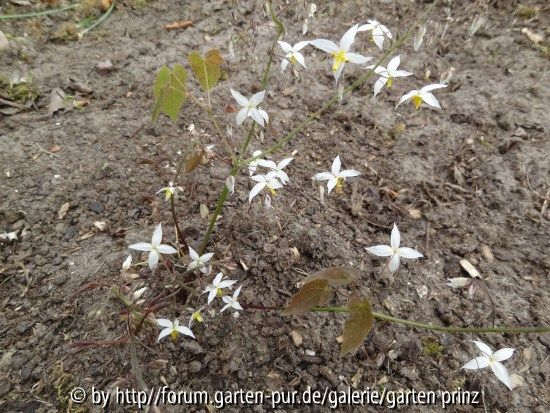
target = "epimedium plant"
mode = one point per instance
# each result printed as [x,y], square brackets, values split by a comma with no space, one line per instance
[201,279]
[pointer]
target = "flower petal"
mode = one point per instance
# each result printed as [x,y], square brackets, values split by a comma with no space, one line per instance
[241,116]
[338,73]
[407,97]
[226,283]
[323,176]
[348,173]
[264,115]
[409,253]
[256,190]
[429,88]
[300,45]
[166,249]
[365,27]
[206,257]
[284,163]
[394,63]
[163,322]
[477,363]
[331,184]
[300,58]
[285,46]
[484,348]
[141,246]
[284,64]
[164,333]
[212,294]
[267,163]
[241,100]
[394,263]
[357,58]
[153,258]
[380,250]
[257,98]
[430,99]
[401,73]
[502,374]
[257,117]
[336,165]
[193,254]
[157,235]
[348,38]
[186,331]
[379,84]
[503,354]
[325,45]
[378,39]
[395,237]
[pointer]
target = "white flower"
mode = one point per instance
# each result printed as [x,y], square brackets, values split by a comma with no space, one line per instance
[137,294]
[277,168]
[173,328]
[249,108]
[394,250]
[169,190]
[231,302]
[493,360]
[341,53]
[387,74]
[269,180]
[293,54]
[336,177]
[254,164]
[379,32]
[199,262]
[422,95]
[155,248]
[215,289]
[196,316]
[127,263]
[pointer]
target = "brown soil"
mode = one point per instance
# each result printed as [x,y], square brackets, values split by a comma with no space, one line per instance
[470,181]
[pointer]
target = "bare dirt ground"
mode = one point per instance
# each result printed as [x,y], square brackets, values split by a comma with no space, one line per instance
[470,181]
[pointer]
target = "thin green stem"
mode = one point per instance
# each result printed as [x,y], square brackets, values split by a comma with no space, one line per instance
[37,13]
[100,20]
[433,327]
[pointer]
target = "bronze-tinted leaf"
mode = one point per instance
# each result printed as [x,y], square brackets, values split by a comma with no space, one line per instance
[336,276]
[311,294]
[358,324]
[193,161]
[207,69]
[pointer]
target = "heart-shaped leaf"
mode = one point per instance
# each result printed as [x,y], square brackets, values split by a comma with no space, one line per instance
[207,69]
[311,294]
[170,91]
[358,324]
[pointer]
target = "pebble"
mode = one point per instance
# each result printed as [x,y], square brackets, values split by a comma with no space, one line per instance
[96,206]
[195,366]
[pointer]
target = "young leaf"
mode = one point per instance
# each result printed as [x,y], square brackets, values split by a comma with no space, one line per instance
[358,324]
[207,69]
[311,294]
[170,92]
[336,276]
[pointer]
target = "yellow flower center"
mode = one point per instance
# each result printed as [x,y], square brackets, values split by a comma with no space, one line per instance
[219,292]
[197,316]
[174,335]
[389,83]
[339,59]
[292,59]
[417,101]
[273,192]
[339,182]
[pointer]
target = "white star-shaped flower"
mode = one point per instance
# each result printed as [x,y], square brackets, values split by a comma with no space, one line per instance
[155,248]
[173,328]
[216,287]
[199,261]
[249,108]
[387,74]
[170,190]
[340,53]
[379,32]
[394,250]
[268,181]
[232,302]
[277,168]
[493,360]
[254,164]
[336,177]
[293,54]
[422,95]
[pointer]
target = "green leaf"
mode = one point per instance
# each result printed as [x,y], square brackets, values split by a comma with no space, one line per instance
[170,91]
[358,324]
[207,69]
[336,276]
[313,293]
